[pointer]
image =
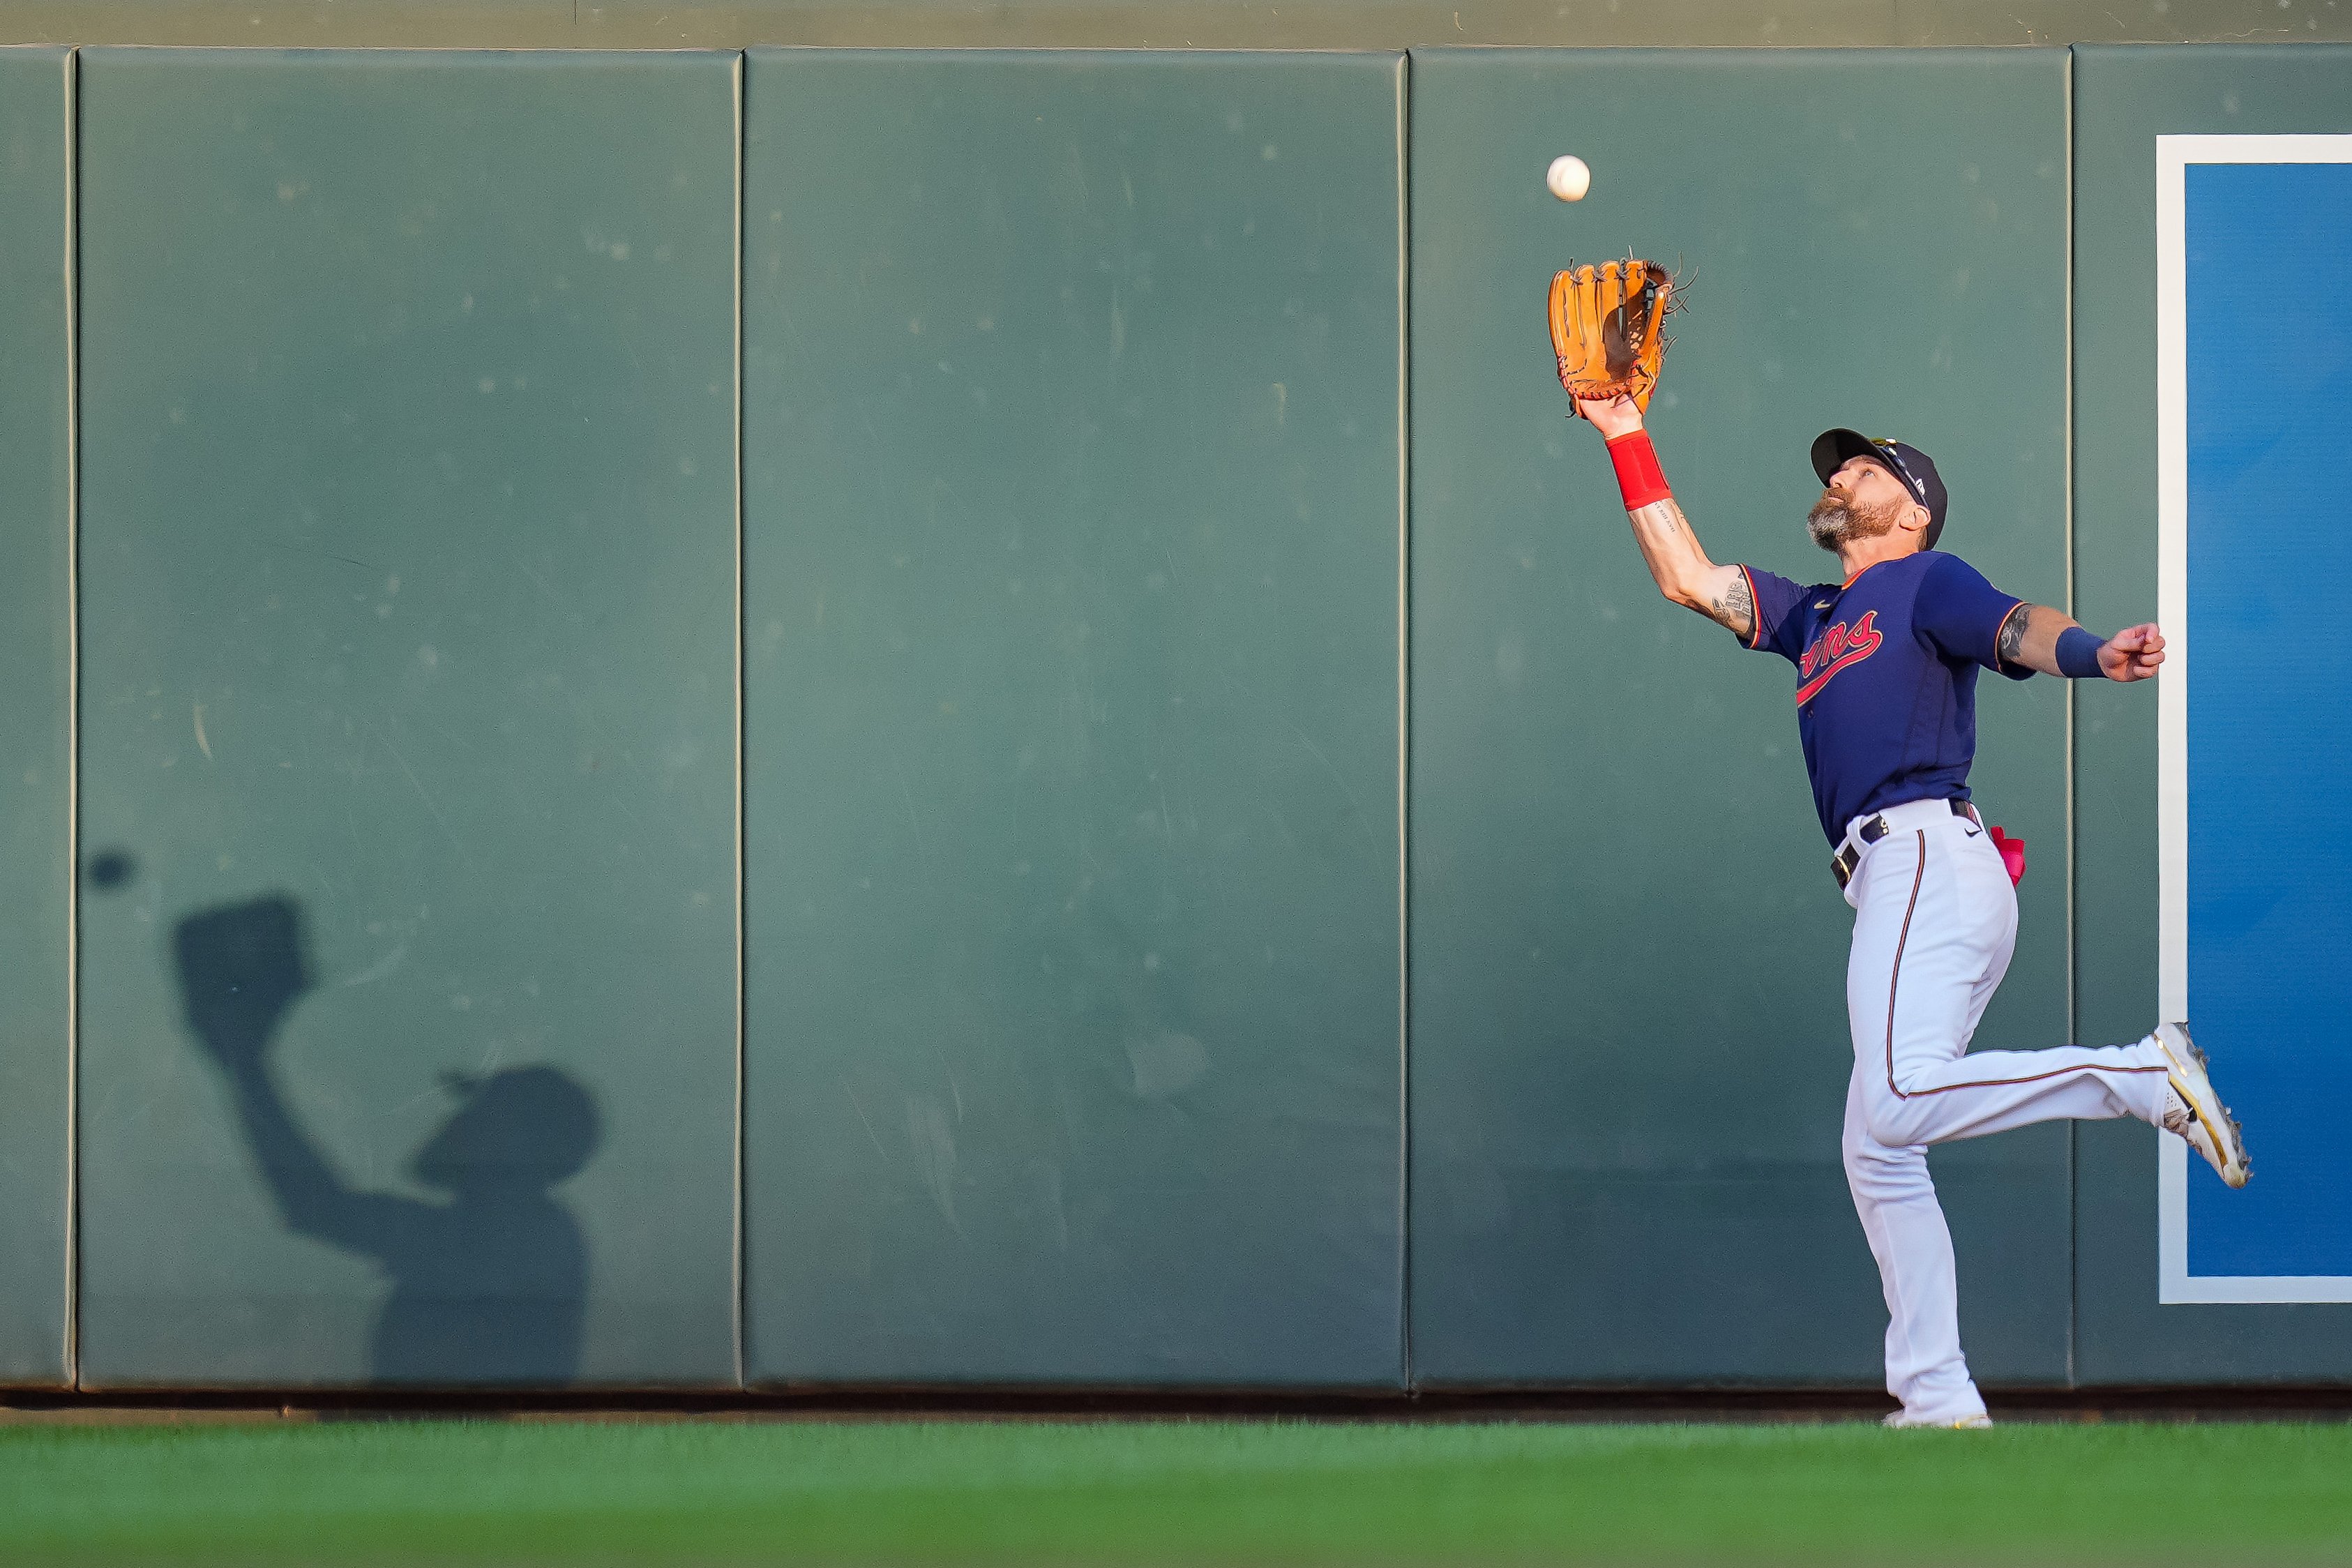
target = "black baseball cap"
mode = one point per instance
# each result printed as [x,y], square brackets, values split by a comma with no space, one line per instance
[1833,448]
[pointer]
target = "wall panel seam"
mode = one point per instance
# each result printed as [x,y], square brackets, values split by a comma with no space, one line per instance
[2073,1001]
[1403,80]
[739,1306]
[71,262]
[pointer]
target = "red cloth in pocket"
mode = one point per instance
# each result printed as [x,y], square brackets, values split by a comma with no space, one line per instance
[2013,855]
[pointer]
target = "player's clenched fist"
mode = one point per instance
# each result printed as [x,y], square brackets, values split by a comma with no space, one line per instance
[2133,653]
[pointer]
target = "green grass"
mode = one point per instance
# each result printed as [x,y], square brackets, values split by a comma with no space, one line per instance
[1172,1492]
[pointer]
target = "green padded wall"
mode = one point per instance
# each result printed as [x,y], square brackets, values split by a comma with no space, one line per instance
[409,1027]
[36,648]
[1071,610]
[2124,98]
[1629,1041]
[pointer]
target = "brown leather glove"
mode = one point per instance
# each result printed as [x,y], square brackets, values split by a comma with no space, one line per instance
[1605,325]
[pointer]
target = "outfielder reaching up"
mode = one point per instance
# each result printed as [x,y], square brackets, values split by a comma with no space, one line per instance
[1886,661]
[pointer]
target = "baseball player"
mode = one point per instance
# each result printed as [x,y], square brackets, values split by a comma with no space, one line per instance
[1887,656]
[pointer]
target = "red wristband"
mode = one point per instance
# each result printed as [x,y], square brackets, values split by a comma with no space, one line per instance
[1638,474]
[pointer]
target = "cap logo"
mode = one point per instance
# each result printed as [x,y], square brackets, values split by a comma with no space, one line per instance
[1887,445]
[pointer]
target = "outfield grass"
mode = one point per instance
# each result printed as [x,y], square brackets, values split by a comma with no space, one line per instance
[1172,1492]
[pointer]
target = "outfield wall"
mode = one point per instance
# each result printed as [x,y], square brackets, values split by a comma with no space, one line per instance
[835,717]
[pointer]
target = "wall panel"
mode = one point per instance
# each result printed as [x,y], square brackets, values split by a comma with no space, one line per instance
[1071,615]
[36,631]
[2124,98]
[408,578]
[1629,1040]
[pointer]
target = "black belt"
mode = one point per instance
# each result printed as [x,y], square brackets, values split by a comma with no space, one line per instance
[1849,854]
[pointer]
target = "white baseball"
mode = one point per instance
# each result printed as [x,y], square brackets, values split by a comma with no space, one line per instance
[1568,178]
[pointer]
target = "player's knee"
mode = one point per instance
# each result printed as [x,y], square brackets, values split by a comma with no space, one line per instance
[1861,1160]
[1893,1123]
[1875,1172]
[1881,1172]
[1865,1155]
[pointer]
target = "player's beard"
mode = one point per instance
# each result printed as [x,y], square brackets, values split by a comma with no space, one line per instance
[1836,520]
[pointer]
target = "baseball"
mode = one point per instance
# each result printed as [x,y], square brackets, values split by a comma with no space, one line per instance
[1569,178]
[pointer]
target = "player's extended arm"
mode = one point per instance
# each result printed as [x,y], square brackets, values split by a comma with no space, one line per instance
[1668,546]
[2036,637]
[243,967]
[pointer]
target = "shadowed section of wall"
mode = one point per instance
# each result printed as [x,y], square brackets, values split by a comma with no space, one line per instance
[1071,612]
[1630,1047]
[408,429]
[35,611]
[1151,24]
[2125,98]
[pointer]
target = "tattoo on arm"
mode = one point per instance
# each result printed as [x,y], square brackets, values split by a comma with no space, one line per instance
[1682,569]
[1658,523]
[1735,607]
[2012,634]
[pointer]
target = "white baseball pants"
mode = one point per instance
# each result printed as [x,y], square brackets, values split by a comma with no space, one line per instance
[1935,922]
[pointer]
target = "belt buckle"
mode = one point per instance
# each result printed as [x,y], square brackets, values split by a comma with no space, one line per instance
[1849,854]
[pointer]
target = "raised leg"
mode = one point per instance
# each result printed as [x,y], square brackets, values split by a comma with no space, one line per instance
[1934,928]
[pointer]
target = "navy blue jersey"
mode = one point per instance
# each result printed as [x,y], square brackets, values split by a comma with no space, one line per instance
[1886,677]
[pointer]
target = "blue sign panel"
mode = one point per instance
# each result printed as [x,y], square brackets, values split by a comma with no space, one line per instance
[2260,863]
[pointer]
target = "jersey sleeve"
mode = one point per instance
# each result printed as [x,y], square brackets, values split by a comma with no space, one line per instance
[1960,615]
[1775,598]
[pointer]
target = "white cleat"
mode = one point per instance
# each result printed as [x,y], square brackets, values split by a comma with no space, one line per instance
[2195,1113]
[1905,1421]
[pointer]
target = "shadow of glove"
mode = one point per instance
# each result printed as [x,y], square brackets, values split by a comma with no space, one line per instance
[241,968]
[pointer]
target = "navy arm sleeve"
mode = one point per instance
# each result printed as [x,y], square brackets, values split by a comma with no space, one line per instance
[1775,598]
[1960,615]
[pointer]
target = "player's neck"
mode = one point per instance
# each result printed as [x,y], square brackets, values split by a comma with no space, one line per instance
[1856,556]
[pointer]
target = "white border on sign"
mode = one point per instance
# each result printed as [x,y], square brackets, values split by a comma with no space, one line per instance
[2173,155]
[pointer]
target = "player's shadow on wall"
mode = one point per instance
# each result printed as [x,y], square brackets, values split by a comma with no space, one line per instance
[490,1284]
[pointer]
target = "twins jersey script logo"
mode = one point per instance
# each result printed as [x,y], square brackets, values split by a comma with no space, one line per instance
[1834,649]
